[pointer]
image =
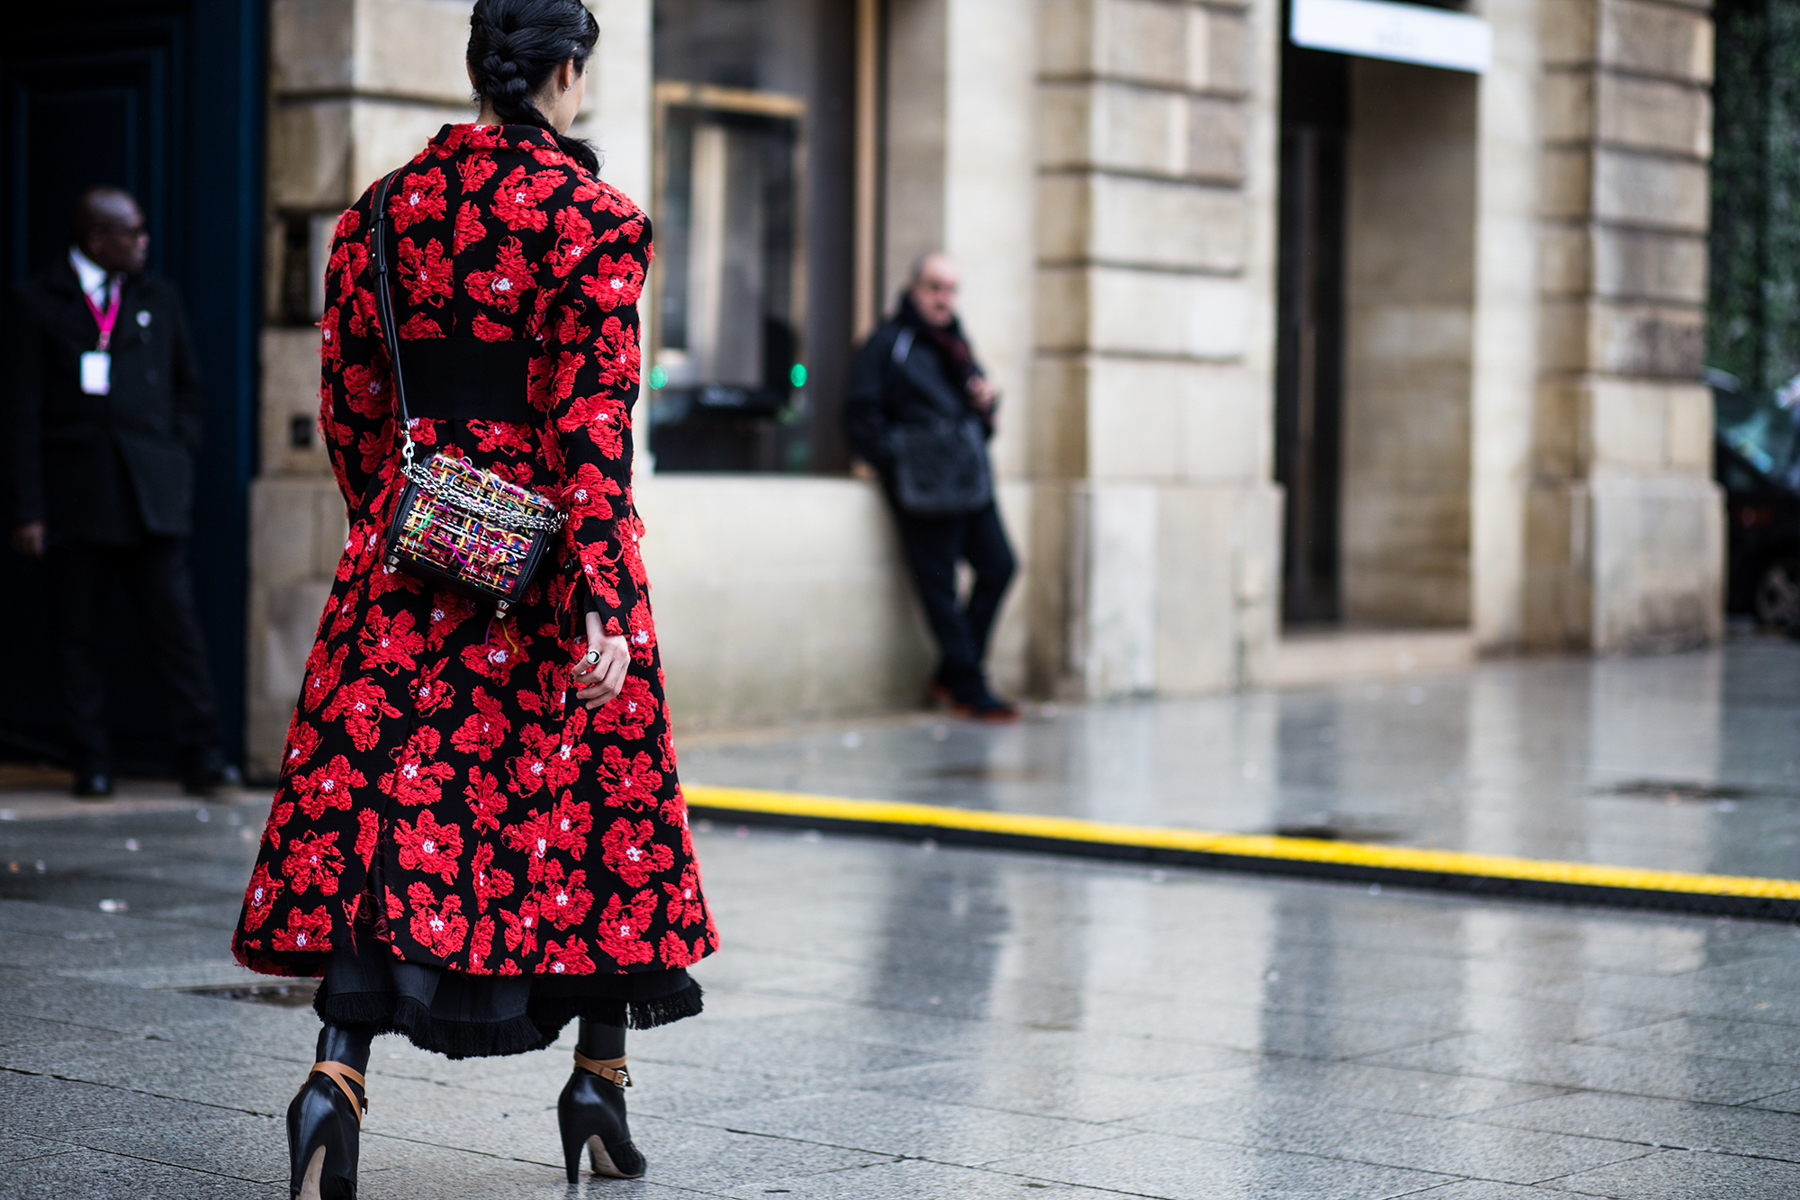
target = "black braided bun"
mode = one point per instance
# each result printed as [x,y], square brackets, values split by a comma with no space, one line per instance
[514,45]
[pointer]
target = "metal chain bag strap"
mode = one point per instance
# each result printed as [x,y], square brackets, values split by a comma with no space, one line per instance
[456,525]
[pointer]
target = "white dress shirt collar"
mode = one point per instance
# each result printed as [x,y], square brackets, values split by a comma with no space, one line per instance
[95,280]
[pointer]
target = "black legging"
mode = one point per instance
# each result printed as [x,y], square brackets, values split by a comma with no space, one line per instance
[350,1046]
[600,1041]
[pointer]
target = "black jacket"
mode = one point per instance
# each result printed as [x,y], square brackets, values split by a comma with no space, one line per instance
[890,389]
[99,469]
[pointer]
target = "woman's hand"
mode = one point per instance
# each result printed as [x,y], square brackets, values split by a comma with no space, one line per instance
[601,672]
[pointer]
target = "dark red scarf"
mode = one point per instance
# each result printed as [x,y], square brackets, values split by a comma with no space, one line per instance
[947,341]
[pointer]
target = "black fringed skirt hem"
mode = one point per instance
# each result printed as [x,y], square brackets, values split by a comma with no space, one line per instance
[481,1016]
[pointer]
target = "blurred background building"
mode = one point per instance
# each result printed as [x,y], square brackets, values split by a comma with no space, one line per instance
[1316,359]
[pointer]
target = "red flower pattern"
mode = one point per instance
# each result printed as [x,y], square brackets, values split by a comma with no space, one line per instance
[314,860]
[426,272]
[418,198]
[632,854]
[330,786]
[305,932]
[571,959]
[437,747]
[417,778]
[623,926]
[509,281]
[485,729]
[517,199]
[439,927]
[429,847]
[259,897]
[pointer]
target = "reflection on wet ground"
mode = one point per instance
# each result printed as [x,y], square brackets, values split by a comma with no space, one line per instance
[894,1021]
[891,1020]
[1684,762]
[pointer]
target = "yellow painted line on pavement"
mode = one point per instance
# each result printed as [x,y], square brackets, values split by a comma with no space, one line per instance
[1237,845]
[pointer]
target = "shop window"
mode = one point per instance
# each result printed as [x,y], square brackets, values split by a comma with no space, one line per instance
[749,338]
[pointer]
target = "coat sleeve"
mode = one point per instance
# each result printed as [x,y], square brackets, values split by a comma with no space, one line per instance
[22,410]
[190,397]
[356,409]
[866,421]
[591,364]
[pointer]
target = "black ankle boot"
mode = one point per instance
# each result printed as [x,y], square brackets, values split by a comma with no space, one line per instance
[591,1112]
[323,1124]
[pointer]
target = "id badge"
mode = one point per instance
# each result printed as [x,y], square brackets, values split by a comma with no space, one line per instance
[96,372]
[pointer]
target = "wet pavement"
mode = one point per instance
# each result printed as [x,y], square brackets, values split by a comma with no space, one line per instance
[892,1020]
[1687,762]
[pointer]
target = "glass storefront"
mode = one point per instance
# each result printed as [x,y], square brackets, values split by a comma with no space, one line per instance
[751,335]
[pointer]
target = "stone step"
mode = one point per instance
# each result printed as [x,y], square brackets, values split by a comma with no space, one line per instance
[1339,655]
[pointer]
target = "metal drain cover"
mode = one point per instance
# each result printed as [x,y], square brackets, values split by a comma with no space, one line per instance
[296,993]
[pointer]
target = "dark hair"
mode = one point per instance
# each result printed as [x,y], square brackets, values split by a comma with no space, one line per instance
[514,45]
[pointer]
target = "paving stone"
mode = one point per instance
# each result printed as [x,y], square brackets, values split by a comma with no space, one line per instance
[1600,1068]
[1665,1123]
[1691,1175]
[883,1123]
[1297,1122]
[1152,1164]
[16,1147]
[92,1175]
[1714,1037]
[1390,1089]
[1484,1189]
[891,1021]
[915,1178]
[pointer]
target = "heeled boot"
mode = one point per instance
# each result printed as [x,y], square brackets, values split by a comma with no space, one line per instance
[324,1122]
[591,1113]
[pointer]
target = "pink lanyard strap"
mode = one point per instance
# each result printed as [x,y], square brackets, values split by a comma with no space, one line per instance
[106,320]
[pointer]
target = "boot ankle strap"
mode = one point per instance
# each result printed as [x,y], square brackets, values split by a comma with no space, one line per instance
[344,1076]
[612,1069]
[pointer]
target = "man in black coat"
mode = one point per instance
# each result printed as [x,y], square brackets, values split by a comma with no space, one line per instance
[103,409]
[920,411]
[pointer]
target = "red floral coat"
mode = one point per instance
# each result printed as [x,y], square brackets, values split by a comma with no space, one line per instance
[439,767]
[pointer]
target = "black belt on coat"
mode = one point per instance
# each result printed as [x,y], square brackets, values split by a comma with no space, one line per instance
[467,379]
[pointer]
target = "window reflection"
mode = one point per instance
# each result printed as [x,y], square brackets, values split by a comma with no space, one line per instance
[750,338]
[733,281]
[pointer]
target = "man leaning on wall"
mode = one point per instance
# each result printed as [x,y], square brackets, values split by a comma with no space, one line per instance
[920,410]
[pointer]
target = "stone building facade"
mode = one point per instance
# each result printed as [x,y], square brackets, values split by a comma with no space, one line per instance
[1516,298]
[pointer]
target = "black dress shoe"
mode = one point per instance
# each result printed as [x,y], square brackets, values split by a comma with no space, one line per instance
[209,773]
[93,782]
[977,703]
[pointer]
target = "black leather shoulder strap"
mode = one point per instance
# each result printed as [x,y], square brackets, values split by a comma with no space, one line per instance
[384,302]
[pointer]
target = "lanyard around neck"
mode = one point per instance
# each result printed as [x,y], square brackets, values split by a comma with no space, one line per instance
[110,317]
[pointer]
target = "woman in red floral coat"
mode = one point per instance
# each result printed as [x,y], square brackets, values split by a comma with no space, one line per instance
[478,833]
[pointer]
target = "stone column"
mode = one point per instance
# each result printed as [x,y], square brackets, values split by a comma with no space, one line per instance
[1623,527]
[1155,329]
[1504,375]
[356,87]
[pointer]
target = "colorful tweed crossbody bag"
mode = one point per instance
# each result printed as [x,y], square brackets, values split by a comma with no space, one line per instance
[457,525]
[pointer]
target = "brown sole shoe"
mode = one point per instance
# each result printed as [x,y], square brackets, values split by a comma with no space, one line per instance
[1004,715]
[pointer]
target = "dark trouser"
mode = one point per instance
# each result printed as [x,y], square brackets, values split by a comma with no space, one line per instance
[90,650]
[933,546]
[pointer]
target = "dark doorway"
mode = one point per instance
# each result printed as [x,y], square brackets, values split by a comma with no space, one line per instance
[165,99]
[1310,351]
